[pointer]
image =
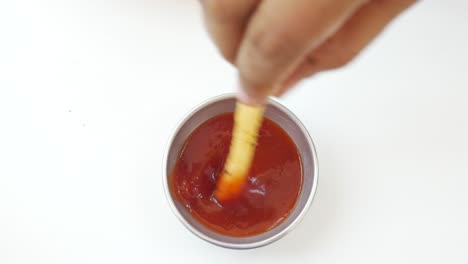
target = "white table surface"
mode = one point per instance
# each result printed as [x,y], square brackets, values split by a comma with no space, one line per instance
[91,90]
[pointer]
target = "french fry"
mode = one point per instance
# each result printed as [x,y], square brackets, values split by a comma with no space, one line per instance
[247,122]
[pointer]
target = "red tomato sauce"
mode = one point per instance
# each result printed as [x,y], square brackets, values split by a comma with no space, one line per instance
[268,197]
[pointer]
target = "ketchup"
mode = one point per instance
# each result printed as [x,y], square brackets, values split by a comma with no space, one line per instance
[273,184]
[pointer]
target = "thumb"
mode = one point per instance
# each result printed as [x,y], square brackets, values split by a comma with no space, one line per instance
[279,35]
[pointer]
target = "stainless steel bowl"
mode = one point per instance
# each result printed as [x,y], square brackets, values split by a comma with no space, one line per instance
[296,130]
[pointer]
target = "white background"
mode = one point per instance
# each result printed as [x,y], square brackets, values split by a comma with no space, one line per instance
[91,90]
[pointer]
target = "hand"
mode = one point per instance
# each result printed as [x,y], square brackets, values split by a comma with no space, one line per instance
[276,43]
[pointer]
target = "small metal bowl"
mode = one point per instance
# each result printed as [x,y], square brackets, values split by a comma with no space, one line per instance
[281,116]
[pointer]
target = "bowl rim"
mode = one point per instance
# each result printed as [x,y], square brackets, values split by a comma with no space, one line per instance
[275,102]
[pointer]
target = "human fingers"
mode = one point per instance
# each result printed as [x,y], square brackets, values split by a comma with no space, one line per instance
[279,34]
[343,46]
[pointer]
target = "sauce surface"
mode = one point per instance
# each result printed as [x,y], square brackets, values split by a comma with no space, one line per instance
[268,197]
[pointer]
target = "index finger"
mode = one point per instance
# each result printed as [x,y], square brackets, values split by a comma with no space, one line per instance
[226,21]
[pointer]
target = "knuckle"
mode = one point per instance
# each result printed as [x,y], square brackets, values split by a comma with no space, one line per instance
[273,46]
[339,63]
[228,54]
[334,54]
[220,10]
[342,59]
